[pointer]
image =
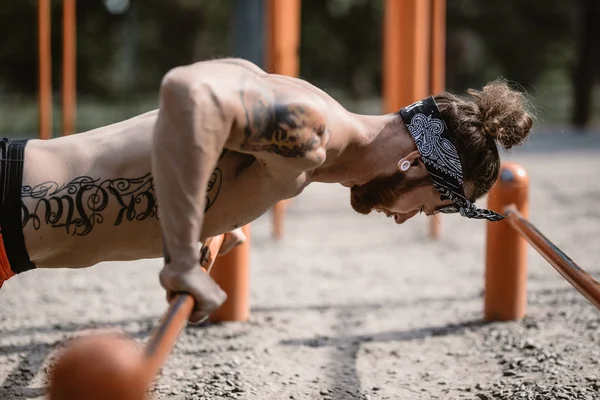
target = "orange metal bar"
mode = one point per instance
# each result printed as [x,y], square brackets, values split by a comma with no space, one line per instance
[437,78]
[406,55]
[69,92]
[45,70]
[232,273]
[574,274]
[270,38]
[283,36]
[283,40]
[414,57]
[165,335]
[505,295]
[438,46]
[279,218]
[392,59]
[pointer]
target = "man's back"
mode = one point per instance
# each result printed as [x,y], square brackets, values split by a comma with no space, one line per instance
[90,197]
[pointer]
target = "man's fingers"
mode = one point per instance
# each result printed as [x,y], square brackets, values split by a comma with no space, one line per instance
[197,317]
[232,240]
[207,294]
[220,297]
[227,245]
[202,311]
[169,295]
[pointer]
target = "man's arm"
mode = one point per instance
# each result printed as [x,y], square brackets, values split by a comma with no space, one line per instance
[204,108]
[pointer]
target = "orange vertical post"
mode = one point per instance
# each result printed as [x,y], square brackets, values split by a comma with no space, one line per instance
[406,65]
[505,297]
[283,36]
[279,218]
[283,40]
[437,75]
[232,272]
[438,46]
[45,70]
[69,67]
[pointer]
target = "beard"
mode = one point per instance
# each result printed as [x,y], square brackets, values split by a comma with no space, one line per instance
[382,192]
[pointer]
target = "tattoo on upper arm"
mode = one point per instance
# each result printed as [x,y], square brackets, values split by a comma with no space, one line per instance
[279,128]
[79,205]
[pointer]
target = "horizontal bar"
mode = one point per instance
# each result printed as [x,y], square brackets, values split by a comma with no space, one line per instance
[175,319]
[573,273]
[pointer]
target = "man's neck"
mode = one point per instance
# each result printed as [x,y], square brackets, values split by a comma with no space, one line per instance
[372,149]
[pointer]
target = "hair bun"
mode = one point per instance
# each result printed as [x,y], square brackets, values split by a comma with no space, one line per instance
[492,128]
[503,113]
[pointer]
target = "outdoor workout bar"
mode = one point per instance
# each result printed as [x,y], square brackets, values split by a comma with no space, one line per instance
[506,255]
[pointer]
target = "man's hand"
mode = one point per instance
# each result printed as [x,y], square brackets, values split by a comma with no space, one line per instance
[208,296]
[232,240]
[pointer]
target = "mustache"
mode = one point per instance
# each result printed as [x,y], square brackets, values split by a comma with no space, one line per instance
[383,191]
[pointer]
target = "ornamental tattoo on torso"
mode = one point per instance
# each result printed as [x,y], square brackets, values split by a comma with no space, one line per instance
[77,206]
[80,204]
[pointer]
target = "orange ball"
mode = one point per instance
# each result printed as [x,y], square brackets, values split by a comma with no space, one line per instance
[99,367]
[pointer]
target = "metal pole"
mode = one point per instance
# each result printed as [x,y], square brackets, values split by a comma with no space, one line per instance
[438,76]
[69,91]
[573,273]
[505,297]
[232,273]
[406,55]
[283,38]
[45,70]
[165,335]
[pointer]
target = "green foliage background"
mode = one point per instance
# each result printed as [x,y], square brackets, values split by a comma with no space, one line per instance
[122,57]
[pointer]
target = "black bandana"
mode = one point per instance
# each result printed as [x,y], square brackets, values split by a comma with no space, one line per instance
[431,135]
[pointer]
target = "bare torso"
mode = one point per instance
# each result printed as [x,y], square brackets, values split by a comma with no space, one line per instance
[90,197]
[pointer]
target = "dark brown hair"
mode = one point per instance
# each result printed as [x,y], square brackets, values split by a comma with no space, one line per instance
[497,114]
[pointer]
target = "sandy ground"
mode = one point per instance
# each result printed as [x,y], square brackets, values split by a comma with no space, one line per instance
[351,307]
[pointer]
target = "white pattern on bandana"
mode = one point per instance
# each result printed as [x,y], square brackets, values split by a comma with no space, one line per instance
[436,150]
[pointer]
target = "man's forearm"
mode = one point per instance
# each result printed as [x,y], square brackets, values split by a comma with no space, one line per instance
[188,138]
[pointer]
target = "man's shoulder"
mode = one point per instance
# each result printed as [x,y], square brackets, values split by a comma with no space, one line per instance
[237,62]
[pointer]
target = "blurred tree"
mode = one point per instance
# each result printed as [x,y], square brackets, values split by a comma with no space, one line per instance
[154,35]
[98,29]
[587,65]
[341,44]
[18,47]
[125,46]
[143,41]
[519,39]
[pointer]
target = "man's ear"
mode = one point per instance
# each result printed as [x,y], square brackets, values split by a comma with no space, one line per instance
[412,165]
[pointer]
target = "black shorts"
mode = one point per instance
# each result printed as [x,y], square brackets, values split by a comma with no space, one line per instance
[14,258]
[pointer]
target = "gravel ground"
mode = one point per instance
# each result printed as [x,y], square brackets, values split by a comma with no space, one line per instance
[351,307]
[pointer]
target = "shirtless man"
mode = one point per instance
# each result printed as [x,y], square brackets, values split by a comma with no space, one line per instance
[227,142]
